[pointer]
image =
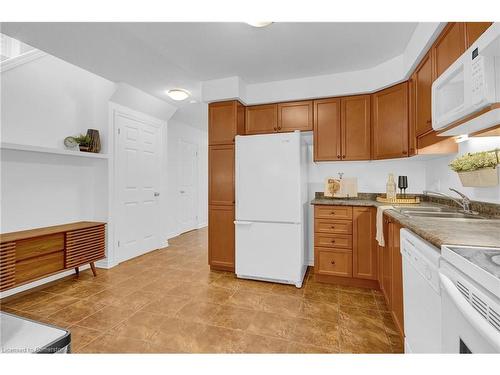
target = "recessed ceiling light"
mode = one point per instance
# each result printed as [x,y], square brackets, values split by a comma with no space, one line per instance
[178,94]
[259,23]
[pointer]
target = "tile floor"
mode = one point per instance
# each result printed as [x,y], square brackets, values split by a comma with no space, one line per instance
[168,301]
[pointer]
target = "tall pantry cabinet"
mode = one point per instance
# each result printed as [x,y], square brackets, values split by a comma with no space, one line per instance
[226,120]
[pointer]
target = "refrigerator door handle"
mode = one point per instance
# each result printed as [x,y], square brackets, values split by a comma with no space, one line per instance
[238,222]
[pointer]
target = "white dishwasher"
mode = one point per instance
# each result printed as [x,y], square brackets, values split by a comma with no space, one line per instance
[421,294]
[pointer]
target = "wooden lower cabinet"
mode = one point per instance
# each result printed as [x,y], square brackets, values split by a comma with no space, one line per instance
[334,262]
[29,255]
[344,245]
[365,262]
[221,237]
[391,272]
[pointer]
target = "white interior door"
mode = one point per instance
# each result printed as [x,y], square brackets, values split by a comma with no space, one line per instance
[138,171]
[188,182]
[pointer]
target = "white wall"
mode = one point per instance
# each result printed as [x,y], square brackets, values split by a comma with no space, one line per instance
[44,101]
[177,131]
[439,176]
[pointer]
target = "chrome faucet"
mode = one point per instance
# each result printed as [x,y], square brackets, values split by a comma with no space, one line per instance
[464,202]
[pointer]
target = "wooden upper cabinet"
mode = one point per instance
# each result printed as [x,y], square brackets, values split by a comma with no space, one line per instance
[473,30]
[225,121]
[221,175]
[365,262]
[423,85]
[448,47]
[355,127]
[221,240]
[390,122]
[327,140]
[261,119]
[295,116]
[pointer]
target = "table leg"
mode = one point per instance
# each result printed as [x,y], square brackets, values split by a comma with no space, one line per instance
[77,271]
[92,265]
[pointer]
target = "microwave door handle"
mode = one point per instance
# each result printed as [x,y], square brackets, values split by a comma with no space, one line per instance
[472,316]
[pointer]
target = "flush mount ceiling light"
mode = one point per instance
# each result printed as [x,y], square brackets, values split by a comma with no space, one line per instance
[178,94]
[259,23]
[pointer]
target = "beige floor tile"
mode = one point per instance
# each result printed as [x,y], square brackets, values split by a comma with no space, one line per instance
[269,324]
[263,344]
[77,311]
[168,305]
[282,304]
[233,317]
[200,312]
[106,318]
[141,326]
[321,333]
[81,336]
[246,299]
[312,309]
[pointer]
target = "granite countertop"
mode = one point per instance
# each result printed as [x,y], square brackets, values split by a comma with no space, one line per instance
[437,231]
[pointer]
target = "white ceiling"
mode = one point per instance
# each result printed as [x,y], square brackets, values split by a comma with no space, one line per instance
[159,56]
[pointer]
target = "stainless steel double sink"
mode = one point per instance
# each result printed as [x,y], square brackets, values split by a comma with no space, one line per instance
[436,212]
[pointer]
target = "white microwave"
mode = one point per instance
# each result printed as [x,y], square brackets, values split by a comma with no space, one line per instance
[471,83]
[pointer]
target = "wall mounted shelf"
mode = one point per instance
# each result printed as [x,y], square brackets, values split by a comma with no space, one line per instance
[49,150]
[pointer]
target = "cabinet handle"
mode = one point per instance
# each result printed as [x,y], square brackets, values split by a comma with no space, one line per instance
[338,156]
[332,213]
[343,156]
[275,128]
[332,262]
[332,227]
[333,241]
[405,152]
[429,121]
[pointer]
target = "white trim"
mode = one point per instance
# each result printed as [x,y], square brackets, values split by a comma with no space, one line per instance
[20,60]
[202,225]
[45,280]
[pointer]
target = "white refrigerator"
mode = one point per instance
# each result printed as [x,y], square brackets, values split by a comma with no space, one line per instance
[271,202]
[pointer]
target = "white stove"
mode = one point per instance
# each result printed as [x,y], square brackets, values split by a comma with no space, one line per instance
[470,285]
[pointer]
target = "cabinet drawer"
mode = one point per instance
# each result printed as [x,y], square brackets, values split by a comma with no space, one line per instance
[333,226]
[85,246]
[343,241]
[333,212]
[332,262]
[35,247]
[34,268]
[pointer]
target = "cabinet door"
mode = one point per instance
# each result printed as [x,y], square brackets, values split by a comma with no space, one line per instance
[222,122]
[327,140]
[397,276]
[364,245]
[221,237]
[355,128]
[448,47]
[390,122]
[473,30]
[423,83]
[295,116]
[221,175]
[333,262]
[412,134]
[387,265]
[261,119]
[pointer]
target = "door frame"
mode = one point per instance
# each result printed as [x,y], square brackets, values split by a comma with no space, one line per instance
[115,109]
[196,185]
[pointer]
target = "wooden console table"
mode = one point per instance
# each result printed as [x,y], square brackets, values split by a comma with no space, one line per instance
[29,255]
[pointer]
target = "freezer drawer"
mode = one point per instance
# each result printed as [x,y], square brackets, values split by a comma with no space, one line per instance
[270,251]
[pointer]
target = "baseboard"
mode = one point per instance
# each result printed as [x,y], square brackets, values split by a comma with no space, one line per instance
[310,262]
[36,283]
[202,225]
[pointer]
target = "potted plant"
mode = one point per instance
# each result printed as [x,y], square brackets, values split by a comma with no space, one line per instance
[478,169]
[83,141]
